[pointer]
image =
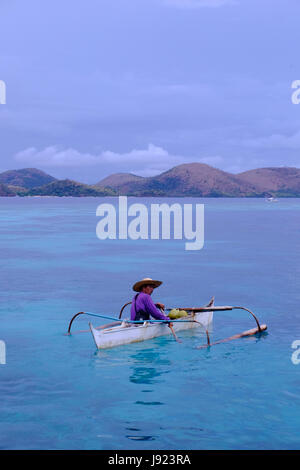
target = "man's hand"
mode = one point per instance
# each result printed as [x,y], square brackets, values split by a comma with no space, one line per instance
[162,306]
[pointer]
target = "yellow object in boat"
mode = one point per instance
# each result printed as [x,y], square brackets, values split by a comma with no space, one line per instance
[175,313]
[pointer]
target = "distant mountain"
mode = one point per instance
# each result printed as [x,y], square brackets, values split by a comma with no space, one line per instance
[69,188]
[190,179]
[283,181]
[26,178]
[119,180]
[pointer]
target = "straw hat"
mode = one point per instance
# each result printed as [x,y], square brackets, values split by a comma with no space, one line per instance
[147,280]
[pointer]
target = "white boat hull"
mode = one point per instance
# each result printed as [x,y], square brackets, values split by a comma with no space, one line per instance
[127,333]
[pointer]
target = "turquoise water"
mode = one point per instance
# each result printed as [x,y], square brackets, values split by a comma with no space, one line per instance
[58,392]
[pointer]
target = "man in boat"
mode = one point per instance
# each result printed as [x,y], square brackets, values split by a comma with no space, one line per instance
[143,307]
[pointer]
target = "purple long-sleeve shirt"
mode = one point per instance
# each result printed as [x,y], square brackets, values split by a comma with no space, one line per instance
[146,304]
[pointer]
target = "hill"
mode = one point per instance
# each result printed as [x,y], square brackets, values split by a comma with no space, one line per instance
[119,180]
[69,188]
[283,181]
[26,178]
[190,179]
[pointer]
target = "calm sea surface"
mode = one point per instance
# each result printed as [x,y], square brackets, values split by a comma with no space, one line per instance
[58,392]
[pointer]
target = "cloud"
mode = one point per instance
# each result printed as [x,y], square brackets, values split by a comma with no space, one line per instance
[145,162]
[153,159]
[275,141]
[152,152]
[193,4]
[54,157]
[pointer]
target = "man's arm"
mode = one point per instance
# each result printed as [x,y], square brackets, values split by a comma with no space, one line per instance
[154,312]
[159,305]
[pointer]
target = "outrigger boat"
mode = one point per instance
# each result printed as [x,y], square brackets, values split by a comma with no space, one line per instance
[127,331]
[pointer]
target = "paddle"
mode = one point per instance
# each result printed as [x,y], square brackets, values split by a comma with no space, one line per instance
[173,332]
[171,328]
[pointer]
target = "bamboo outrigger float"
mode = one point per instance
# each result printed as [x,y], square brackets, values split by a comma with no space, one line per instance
[126,331]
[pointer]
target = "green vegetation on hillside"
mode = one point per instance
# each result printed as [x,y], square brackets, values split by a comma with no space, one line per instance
[69,188]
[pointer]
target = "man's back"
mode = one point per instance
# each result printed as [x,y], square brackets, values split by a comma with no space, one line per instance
[143,306]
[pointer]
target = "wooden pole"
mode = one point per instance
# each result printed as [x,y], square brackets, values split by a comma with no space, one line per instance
[244,334]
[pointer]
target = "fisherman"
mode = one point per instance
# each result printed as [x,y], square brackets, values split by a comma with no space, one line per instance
[142,305]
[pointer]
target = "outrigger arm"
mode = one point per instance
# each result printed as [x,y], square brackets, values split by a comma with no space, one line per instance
[259,329]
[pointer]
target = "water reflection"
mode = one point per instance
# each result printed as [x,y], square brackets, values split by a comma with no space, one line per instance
[138,437]
[141,438]
[140,402]
[148,365]
[144,375]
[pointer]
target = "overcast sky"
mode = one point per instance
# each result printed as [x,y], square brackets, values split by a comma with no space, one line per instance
[96,87]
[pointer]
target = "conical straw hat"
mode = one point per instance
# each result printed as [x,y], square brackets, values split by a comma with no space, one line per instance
[147,280]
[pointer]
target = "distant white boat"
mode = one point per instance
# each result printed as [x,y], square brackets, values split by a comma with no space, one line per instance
[271,199]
